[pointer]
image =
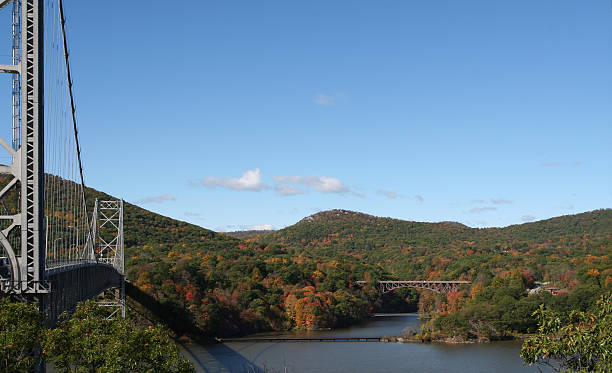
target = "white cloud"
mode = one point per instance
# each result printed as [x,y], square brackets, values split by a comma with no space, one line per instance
[500,201]
[288,190]
[324,184]
[387,193]
[324,100]
[287,179]
[527,218]
[419,197]
[250,180]
[290,185]
[157,199]
[257,227]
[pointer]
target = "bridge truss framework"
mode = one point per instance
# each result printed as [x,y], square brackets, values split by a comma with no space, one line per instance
[442,287]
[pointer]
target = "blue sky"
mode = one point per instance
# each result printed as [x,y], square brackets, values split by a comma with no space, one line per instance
[238,114]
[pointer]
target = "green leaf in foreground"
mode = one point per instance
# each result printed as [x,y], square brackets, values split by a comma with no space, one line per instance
[88,342]
[580,341]
[21,328]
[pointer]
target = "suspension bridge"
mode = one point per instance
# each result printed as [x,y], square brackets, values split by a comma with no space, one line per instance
[56,247]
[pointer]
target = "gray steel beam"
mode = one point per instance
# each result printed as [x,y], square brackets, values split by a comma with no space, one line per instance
[32,148]
[12,284]
[11,69]
[28,263]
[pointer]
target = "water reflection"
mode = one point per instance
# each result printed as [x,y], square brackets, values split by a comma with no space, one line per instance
[311,357]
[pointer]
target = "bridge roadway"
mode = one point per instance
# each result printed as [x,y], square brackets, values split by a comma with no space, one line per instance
[91,276]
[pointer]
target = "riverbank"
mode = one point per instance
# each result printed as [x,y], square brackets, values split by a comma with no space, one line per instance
[339,357]
[410,334]
[450,340]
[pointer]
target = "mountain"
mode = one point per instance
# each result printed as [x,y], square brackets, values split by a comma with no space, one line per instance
[448,250]
[572,254]
[361,232]
[204,284]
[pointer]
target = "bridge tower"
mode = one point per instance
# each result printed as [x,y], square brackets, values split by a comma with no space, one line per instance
[26,253]
[108,242]
[49,248]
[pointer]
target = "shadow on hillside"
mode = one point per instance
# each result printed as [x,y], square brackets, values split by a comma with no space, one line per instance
[219,358]
[175,318]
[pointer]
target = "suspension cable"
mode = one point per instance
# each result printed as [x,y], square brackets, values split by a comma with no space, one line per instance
[74,122]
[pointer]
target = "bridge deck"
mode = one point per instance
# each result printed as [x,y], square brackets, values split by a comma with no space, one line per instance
[56,266]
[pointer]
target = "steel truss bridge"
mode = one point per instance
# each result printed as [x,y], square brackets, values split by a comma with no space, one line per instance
[56,248]
[442,287]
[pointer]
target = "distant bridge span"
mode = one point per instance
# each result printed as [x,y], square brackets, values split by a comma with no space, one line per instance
[442,287]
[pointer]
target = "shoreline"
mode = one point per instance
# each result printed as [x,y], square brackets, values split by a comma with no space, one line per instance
[450,340]
[398,338]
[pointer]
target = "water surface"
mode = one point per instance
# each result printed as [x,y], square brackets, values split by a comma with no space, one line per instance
[357,357]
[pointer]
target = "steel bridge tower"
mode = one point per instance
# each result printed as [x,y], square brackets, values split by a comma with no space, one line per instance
[30,265]
[27,262]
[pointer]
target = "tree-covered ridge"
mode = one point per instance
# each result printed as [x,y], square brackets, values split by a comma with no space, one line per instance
[570,254]
[357,231]
[206,284]
[451,251]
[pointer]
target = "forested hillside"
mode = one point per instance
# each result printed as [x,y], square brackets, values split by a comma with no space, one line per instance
[450,250]
[570,254]
[206,284]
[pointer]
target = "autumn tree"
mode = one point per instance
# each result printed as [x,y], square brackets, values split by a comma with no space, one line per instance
[579,342]
[89,342]
[21,328]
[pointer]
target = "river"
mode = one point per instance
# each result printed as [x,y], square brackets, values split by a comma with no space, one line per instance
[357,357]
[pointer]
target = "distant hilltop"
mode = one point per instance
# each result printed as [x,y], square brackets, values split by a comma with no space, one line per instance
[339,214]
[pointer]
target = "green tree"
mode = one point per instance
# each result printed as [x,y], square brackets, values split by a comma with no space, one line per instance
[88,342]
[580,341]
[21,328]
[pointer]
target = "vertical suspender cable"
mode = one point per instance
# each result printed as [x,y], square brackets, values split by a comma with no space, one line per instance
[74,123]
